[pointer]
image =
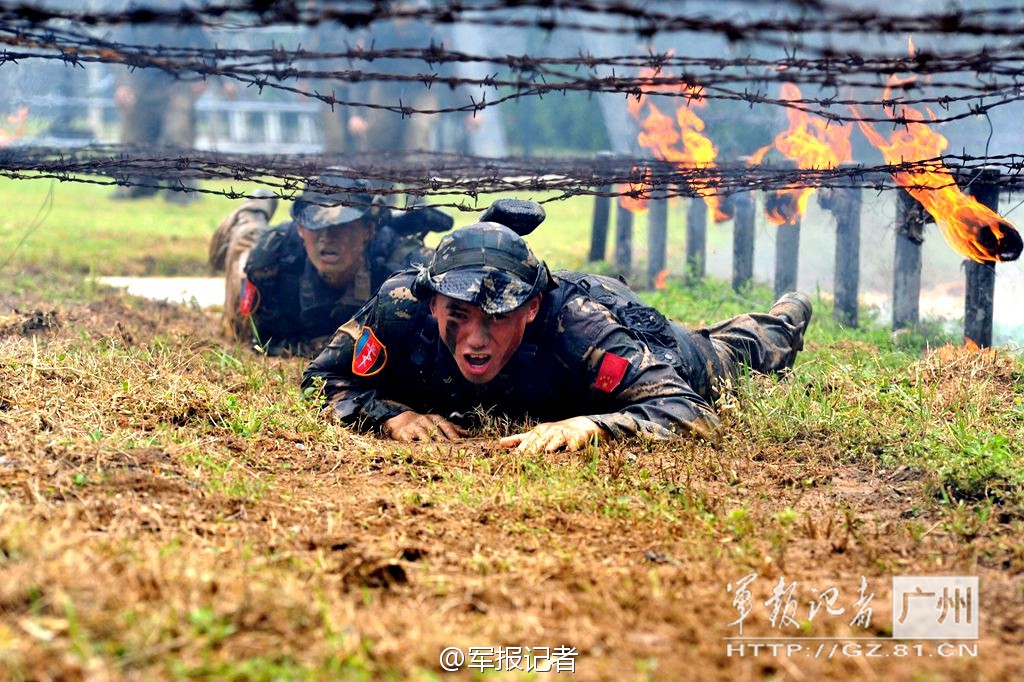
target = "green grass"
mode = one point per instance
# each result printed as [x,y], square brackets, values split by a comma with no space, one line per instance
[177,507]
[76,227]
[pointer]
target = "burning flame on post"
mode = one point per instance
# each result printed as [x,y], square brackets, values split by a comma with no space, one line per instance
[661,279]
[813,144]
[680,140]
[971,228]
[17,129]
[635,199]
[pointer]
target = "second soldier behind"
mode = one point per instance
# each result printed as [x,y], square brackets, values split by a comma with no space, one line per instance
[290,286]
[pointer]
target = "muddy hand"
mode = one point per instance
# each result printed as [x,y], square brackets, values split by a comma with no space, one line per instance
[410,426]
[570,434]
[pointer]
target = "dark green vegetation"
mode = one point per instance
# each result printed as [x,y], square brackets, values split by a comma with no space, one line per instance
[171,507]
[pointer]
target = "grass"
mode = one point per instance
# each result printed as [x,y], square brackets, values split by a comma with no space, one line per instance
[171,507]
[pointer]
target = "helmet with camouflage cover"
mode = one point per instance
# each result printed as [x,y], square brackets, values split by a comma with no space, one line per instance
[336,198]
[486,265]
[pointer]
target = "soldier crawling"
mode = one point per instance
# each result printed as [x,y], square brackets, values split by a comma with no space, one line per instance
[290,286]
[486,326]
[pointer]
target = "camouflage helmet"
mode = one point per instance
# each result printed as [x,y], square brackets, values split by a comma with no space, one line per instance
[336,199]
[487,265]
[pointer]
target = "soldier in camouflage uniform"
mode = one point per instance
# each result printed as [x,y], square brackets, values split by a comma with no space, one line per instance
[486,326]
[290,286]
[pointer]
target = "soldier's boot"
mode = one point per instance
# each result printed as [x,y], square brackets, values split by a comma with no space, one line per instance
[259,209]
[795,309]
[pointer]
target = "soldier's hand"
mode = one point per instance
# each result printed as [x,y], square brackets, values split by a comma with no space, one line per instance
[409,426]
[570,434]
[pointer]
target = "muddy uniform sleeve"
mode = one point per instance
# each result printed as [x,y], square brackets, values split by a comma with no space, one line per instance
[364,358]
[628,390]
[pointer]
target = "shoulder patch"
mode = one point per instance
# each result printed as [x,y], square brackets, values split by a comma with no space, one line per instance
[613,369]
[249,300]
[369,355]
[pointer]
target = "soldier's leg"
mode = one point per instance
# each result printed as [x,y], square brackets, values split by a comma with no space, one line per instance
[418,130]
[333,129]
[764,342]
[140,126]
[179,131]
[229,249]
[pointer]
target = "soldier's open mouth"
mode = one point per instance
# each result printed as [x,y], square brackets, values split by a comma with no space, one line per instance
[329,256]
[477,361]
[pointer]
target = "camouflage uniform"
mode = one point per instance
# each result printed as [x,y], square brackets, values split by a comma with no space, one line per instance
[274,296]
[294,310]
[594,349]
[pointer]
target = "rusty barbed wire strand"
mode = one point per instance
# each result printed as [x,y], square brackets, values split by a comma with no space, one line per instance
[645,18]
[534,79]
[448,179]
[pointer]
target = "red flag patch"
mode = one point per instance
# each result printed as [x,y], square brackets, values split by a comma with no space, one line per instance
[250,298]
[369,355]
[613,368]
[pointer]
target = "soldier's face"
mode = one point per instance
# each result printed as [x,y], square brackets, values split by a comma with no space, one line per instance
[337,252]
[481,344]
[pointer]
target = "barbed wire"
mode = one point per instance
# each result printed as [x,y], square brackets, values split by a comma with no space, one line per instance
[533,76]
[641,18]
[456,181]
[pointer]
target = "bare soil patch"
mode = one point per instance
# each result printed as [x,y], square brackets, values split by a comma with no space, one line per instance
[169,507]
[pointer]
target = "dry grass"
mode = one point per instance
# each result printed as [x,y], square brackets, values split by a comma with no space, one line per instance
[169,507]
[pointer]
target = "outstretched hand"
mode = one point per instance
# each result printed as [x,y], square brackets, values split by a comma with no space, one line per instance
[568,434]
[409,426]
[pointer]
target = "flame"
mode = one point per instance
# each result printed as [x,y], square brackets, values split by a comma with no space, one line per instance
[635,198]
[812,143]
[660,279]
[971,228]
[680,140]
[910,46]
[7,134]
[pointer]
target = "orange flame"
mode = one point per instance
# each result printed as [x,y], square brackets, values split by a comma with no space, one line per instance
[812,143]
[660,280]
[971,228]
[635,199]
[18,122]
[682,140]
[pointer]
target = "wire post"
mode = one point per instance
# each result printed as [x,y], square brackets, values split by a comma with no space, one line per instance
[981,277]
[623,239]
[844,203]
[696,240]
[602,212]
[787,256]
[599,228]
[657,236]
[906,284]
[744,206]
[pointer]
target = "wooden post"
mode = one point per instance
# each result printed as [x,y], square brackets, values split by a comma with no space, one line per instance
[599,228]
[787,257]
[906,284]
[602,211]
[844,203]
[743,240]
[657,236]
[623,240]
[981,277]
[696,240]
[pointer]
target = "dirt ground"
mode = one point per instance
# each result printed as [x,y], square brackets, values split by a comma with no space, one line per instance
[151,528]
